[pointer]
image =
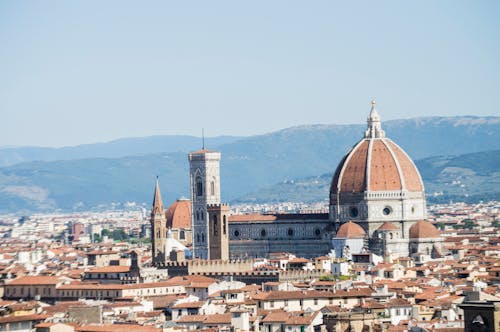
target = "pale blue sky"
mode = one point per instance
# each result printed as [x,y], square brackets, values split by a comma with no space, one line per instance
[74,72]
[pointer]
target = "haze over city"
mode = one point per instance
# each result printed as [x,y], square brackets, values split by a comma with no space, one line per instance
[92,71]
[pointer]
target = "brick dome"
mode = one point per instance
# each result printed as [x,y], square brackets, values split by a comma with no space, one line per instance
[388,226]
[376,164]
[178,214]
[350,230]
[423,229]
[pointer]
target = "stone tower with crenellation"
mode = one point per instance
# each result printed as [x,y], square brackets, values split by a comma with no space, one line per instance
[218,232]
[204,177]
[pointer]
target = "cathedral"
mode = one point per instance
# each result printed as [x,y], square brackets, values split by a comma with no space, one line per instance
[377,204]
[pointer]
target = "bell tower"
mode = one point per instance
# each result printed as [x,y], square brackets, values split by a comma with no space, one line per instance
[204,177]
[158,228]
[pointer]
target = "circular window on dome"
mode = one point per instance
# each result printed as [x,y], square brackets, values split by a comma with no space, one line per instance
[317,231]
[236,233]
[290,232]
[263,233]
[387,211]
[353,211]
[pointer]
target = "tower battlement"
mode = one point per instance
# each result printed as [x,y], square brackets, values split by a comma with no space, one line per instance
[216,207]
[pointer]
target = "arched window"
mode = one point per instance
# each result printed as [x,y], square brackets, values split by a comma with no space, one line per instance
[224,225]
[197,237]
[199,187]
[478,320]
[212,188]
[391,236]
[202,237]
[182,235]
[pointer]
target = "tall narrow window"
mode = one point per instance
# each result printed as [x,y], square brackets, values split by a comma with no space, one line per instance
[199,187]
[212,188]
[224,225]
[215,224]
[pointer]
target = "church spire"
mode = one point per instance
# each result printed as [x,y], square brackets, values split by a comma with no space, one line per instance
[374,129]
[157,201]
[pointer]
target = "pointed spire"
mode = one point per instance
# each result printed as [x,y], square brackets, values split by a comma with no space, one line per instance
[374,129]
[157,201]
[203,138]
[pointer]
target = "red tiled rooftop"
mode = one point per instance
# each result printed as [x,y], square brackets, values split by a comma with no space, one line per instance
[178,214]
[251,217]
[423,229]
[350,230]
[35,280]
[376,164]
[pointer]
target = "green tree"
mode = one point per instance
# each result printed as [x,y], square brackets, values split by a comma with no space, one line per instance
[439,225]
[119,235]
[97,238]
[465,224]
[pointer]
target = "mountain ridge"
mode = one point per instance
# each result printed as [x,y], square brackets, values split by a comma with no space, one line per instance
[248,164]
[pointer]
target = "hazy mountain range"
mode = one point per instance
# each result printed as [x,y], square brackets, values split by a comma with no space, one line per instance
[88,176]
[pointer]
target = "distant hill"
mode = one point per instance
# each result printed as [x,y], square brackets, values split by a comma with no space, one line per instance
[469,177]
[113,149]
[248,164]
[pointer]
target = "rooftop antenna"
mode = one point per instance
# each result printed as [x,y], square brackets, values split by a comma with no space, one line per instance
[203,138]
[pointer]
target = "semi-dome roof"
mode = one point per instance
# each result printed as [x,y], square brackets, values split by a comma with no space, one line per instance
[388,226]
[350,230]
[423,229]
[178,214]
[376,164]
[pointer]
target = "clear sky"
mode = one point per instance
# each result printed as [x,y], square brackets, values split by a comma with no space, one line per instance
[74,72]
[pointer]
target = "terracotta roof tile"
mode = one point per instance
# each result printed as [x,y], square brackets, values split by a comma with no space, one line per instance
[390,168]
[350,230]
[178,214]
[252,217]
[36,280]
[423,229]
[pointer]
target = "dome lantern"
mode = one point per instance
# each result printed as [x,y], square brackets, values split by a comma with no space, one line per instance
[374,129]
